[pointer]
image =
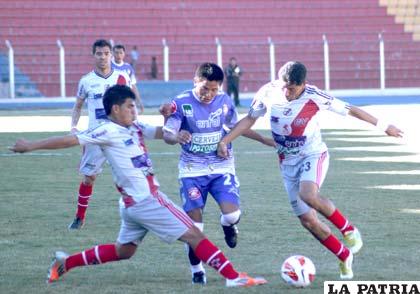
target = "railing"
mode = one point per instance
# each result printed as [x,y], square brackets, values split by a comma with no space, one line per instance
[265,54]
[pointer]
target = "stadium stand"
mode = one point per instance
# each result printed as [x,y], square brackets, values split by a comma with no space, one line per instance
[190,28]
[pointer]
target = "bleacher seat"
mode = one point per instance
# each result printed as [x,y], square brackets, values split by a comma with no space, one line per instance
[190,28]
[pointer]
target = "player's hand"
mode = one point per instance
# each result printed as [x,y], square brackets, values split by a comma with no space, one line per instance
[394,131]
[184,137]
[269,142]
[222,150]
[21,146]
[74,131]
[166,109]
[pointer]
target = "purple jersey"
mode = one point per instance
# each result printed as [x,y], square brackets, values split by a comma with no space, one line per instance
[206,124]
[127,68]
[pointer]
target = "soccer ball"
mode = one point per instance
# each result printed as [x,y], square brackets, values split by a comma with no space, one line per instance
[298,271]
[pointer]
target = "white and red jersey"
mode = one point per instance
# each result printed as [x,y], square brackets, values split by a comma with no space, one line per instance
[125,151]
[92,87]
[295,125]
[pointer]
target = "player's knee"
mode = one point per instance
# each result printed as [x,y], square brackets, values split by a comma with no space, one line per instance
[125,251]
[309,221]
[230,218]
[310,198]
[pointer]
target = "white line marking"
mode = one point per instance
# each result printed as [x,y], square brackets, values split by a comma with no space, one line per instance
[393,172]
[407,158]
[407,210]
[396,187]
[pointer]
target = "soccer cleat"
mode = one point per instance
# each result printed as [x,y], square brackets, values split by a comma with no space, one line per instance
[245,281]
[353,240]
[199,278]
[346,272]
[57,268]
[77,223]
[231,235]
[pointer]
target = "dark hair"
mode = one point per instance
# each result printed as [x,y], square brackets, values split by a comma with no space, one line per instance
[101,43]
[210,72]
[293,73]
[116,95]
[119,46]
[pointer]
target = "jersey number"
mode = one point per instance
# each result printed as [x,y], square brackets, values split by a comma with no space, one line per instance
[231,180]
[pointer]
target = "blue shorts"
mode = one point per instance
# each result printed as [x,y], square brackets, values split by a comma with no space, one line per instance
[194,190]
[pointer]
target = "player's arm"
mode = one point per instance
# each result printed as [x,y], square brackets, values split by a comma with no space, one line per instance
[240,128]
[173,137]
[139,103]
[389,129]
[75,115]
[23,146]
[251,134]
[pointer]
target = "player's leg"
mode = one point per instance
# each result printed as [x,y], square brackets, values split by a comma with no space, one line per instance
[100,254]
[236,95]
[225,190]
[194,196]
[90,166]
[131,233]
[307,215]
[215,258]
[314,170]
[322,232]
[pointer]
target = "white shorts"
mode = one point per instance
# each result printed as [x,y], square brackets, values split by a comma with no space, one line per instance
[92,160]
[157,214]
[311,168]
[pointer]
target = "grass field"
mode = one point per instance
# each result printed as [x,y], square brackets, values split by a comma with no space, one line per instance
[38,199]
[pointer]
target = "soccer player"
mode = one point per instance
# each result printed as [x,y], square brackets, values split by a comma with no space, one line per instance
[293,106]
[118,63]
[91,89]
[198,123]
[143,207]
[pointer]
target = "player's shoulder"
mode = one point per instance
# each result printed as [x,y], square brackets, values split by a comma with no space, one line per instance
[88,76]
[314,92]
[184,96]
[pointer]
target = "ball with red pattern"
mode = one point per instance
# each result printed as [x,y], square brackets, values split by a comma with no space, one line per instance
[298,271]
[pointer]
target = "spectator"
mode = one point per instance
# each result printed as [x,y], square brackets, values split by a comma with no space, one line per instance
[233,73]
[154,68]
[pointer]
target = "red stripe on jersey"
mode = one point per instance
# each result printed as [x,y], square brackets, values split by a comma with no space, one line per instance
[153,188]
[121,80]
[141,137]
[302,119]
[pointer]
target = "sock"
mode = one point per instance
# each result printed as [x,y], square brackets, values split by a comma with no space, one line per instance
[336,247]
[95,255]
[215,258]
[85,192]
[195,263]
[340,222]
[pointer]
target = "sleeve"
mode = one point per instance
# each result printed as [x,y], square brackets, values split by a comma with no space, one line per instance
[97,136]
[132,75]
[259,103]
[149,131]
[173,124]
[231,117]
[81,89]
[328,102]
